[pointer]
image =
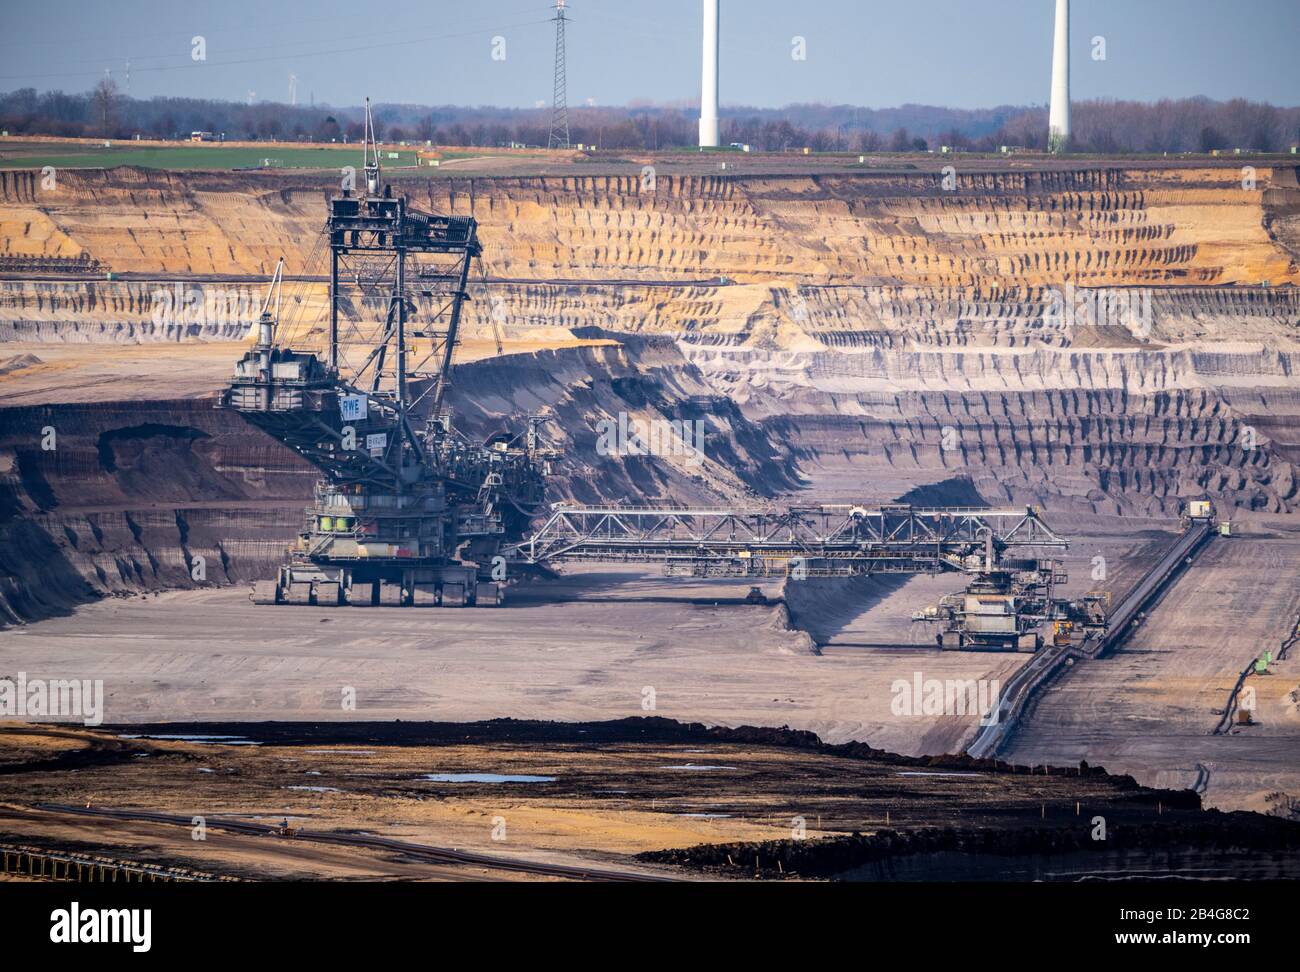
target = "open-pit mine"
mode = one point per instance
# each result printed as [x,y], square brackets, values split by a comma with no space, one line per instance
[818,520]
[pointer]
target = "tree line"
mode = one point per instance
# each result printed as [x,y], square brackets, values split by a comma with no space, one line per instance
[1099,126]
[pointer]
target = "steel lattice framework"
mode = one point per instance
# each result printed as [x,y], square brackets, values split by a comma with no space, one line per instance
[398,280]
[811,540]
[559,137]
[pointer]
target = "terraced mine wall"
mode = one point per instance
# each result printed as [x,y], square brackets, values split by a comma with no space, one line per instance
[842,336]
[130,495]
[1099,226]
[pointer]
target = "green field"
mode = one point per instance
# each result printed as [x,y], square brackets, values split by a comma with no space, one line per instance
[29,155]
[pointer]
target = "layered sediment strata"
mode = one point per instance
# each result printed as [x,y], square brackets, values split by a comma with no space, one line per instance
[51,311]
[1096,226]
[128,497]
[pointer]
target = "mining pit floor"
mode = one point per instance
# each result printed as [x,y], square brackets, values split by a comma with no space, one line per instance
[605,643]
[596,642]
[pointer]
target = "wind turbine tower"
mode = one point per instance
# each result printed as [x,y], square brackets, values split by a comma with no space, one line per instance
[1058,119]
[709,78]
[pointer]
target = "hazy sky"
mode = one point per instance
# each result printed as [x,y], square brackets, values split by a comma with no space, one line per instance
[959,53]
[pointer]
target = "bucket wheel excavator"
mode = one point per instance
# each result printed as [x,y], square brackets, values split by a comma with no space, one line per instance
[407,511]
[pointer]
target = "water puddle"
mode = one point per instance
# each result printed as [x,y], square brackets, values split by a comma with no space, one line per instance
[921,773]
[181,737]
[315,789]
[486,778]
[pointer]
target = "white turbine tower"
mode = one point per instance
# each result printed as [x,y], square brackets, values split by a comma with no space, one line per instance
[293,89]
[1058,119]
[709,78]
